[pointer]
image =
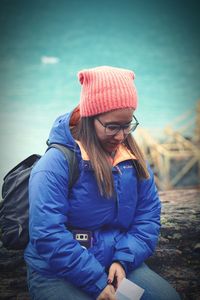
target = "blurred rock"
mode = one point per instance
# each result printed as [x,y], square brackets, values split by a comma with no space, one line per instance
[197,248]
[177,257]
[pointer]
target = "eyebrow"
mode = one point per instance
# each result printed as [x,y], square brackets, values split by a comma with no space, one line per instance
[117,123]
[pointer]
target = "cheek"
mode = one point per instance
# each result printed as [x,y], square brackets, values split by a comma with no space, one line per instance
[100,134]
[101,137]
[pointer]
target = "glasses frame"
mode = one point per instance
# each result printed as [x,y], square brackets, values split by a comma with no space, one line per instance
[121,127]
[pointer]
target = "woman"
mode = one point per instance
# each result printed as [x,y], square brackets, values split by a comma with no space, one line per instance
[85,240]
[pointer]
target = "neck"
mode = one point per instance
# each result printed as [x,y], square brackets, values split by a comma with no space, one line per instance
[112,154]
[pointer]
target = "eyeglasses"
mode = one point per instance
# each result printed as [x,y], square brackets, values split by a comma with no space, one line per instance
[112,129]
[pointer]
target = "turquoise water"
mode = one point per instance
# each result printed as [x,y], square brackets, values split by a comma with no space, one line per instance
[159,40]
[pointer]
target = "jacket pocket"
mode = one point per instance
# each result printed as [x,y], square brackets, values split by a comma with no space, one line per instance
[98,247]
[104,246]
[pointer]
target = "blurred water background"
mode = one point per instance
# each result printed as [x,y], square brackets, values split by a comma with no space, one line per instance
[159,40]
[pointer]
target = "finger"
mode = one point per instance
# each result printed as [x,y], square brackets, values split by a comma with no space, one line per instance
[107,294]
[112,293]
[111,275]
[117,283]
[112,289]
[120,277]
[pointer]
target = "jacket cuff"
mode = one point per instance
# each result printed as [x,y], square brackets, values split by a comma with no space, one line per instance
[100,284]
[123,264]
[124,259]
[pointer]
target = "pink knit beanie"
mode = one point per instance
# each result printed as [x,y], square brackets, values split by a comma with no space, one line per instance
[105,89]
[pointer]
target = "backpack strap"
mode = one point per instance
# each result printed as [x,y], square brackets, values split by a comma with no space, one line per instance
[70,156]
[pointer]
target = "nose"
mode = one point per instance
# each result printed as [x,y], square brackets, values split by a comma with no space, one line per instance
[119,136]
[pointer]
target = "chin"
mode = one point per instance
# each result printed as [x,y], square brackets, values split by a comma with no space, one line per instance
[111,149]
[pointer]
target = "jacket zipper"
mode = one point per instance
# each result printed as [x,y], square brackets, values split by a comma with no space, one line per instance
[117,199]
[118,169]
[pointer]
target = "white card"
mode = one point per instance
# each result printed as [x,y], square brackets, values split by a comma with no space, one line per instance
[128,290]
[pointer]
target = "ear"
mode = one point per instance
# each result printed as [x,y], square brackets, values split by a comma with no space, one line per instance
[81,77]
[132,74]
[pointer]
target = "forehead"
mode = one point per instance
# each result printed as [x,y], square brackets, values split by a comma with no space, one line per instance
[117,116]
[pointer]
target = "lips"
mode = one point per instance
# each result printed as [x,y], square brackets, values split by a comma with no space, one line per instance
[110,147]
[113,145]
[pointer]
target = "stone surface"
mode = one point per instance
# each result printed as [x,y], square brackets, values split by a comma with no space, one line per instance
[177,257]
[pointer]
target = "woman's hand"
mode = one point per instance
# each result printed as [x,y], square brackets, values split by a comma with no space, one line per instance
[116,274]
[108,293]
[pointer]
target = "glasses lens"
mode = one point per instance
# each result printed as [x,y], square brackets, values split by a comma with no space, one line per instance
[130,128]
[112,129]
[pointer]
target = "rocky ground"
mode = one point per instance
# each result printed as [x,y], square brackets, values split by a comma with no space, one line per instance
[177,257]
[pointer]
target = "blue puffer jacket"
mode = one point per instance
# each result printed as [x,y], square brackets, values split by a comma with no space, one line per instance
[125,227]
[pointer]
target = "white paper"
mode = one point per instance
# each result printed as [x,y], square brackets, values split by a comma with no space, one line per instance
[128,290]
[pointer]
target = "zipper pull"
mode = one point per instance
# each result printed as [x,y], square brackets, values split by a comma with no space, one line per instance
[118,169]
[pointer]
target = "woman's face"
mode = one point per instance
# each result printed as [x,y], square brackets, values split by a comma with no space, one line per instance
[122,117]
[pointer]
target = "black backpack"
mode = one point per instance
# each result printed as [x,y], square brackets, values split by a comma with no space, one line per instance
[14,209]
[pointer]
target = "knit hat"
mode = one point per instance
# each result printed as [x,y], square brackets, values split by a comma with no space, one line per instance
[105,89]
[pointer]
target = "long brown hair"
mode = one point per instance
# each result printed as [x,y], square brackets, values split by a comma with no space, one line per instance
[84,132]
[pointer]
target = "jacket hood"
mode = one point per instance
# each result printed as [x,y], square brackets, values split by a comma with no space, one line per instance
[60,132]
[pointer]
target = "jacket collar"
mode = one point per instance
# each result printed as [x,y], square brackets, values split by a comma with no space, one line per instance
[121,154]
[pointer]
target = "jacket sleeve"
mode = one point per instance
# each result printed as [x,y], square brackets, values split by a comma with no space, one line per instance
[49,206]
[139,242]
